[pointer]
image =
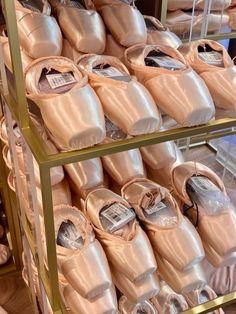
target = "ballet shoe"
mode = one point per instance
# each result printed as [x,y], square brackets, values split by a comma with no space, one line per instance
[25,59]
[78,252]
[128,307]
[167,301]
[84,29]
[68,51]
[39,34]
[198,186]
[113,48]
[179,22]
[85,176]
[213,63]
[5,254]
[143,290]
[106,303]
[157,34]
[217,5]
[126,245]
[164,223]
[132,108]
[201,296]
[159,68]
[65,97]
[123,20]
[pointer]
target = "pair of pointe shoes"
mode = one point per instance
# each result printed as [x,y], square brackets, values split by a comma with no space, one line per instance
[217,5]
[74,101]
[179,22]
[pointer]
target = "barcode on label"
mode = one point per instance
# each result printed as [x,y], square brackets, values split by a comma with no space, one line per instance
[61,79]
[118,214]
[108,72]
[155,208]
[167,62]
[204,183]
[212,57]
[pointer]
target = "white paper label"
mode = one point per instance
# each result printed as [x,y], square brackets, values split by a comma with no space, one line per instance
[167,62]
[204,183]
[212,57]
[61,79]
[108,72]
[112,131]
[118,215]
[155,208]
[17,131]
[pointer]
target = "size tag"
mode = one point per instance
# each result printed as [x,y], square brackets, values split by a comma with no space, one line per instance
[204,183]
[118,215]
[155,208]
[68,236]
[112,131]
[108,72]
[212,57]
[166,62]
[61,79]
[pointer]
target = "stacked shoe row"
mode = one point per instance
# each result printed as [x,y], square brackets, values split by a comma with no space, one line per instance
[182,16]
[95,88]
[98,227]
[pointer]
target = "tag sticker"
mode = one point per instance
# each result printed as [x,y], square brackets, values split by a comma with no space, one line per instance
[155,208]
[61,79]
[108,72]
[212,57]
[68,236]
[118,215]
[166,62]
[204,183]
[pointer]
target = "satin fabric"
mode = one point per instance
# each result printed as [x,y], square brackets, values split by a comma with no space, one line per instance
[180,244]
[113,48]
[194,298]
[76,265]
[217,5]
[188,102]
[68,51]
[85,176]
[103,304]
[221,81]
[75,118]
[217,231]
[127,307]
[127,104]
[133,257]
[84,29]
[168,301]
[157,34]
[124,21]
[39,33]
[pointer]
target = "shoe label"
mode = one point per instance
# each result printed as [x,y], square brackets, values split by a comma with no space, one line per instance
[68,236]
[112,131]
[118,215]
[155,208]
[212,58]
[61,79]
[204,183]
[113,73]
[165,62]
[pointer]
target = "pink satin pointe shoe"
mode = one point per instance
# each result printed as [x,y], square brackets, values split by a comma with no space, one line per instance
[78,252]
[128,307]
[164,223]
[160,68]
[121,236]
[113,48]
[68,51]
[217,5]
[168,302]
[201,296]
[203,192]
[5,254]
[84,29]
[125,101]
[123,20]
[213,63]
[39,33]
[106,303]
[26,60]
[85,176]
[64,97]
[157,34]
